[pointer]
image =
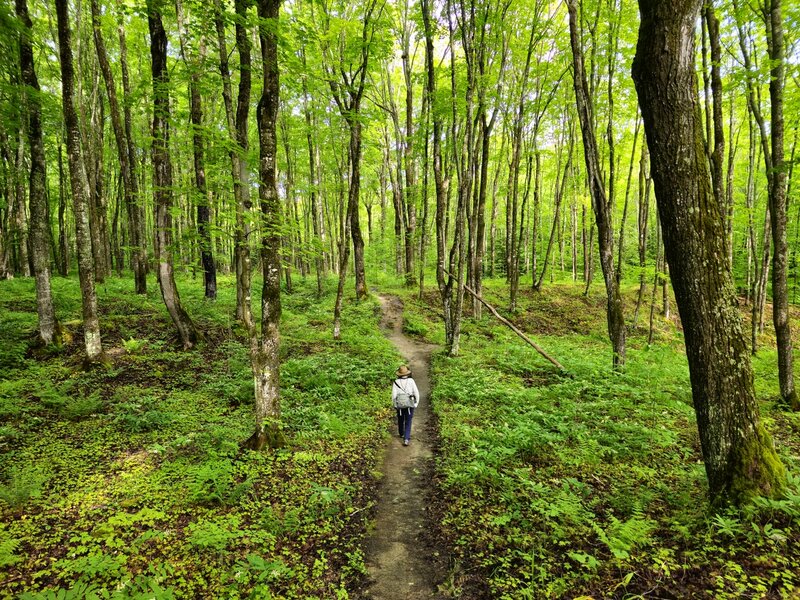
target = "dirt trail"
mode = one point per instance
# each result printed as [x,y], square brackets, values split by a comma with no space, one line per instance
[400,562]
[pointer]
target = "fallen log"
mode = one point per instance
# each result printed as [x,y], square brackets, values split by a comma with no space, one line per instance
[514,328]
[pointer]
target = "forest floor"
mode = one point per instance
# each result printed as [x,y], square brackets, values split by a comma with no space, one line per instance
[401,556]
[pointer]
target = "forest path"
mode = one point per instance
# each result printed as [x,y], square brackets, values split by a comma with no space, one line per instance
[400,560]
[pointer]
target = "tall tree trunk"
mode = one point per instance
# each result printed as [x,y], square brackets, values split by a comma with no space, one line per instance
[136,214]
[128,183]
[49,329]
[602,209]
[778,206]
[20,221]
[643,225]
[408,157]
[198,151]
[80,190]
[162,181]
[264,350]
[63,238]
[738,453]
[316,210]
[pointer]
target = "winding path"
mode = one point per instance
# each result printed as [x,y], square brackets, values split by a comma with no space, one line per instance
[400,563]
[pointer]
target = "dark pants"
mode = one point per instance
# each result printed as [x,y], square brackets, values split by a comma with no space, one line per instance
[404,416]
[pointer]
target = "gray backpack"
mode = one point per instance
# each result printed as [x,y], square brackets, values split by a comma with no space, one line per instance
[403,399]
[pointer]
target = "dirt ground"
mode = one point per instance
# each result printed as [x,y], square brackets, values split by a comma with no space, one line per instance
[401,561]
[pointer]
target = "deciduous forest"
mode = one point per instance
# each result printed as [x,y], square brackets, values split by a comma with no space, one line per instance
[226,225]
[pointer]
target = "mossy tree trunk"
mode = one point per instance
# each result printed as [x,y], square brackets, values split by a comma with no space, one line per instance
[49,330]
[739,456]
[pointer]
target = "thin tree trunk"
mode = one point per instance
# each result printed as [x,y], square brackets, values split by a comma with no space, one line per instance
[20,237]
[80,191]
[162,182]
[778,207]
[198,151]
[605,232]
[136,214]
[63,239]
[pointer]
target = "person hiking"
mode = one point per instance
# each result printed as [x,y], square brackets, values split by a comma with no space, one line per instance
[405,398]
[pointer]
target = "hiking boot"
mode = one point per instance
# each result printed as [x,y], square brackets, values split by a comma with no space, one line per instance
[406,442]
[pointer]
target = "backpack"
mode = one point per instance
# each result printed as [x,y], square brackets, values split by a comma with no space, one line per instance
[403,399]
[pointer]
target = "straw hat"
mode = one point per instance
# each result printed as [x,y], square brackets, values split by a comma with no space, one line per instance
[403,371]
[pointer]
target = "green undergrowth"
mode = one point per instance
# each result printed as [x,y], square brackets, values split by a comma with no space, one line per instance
[591,483]
[127,481]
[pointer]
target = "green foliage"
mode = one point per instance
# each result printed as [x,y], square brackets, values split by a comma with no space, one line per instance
[589,484]
[214,535]
[213,482]
[134,412]
[8,548]
[134,346]
[25,484]
[129,482]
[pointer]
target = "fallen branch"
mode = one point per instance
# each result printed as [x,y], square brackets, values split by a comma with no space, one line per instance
[513,328]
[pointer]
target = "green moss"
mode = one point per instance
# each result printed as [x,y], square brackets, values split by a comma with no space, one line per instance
[756,470]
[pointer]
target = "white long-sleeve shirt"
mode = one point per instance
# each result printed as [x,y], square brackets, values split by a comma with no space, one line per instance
[406,385]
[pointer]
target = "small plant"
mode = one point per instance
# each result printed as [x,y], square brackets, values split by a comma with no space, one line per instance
[8,548]
[23,485]
[82,406]
[137,413]
[213,482]
[134,346]
[214,535]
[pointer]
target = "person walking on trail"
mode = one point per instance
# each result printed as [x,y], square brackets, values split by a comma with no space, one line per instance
[405,398]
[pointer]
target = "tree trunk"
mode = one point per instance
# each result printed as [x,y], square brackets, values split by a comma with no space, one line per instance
[136,213]
[162,182]
[264,350]
[49,329]
[63,239]
[80,191]
[602,209]
[316,211]
[122,149]
[738,453]
[198,152]
[778,203]
[20,220]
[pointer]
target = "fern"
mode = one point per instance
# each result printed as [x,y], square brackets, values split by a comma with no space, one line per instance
[8,548]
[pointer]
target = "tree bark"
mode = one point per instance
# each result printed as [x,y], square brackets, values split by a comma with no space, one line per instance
[80,191]
[128,184]
[162,181]
[738,453]
[49,329]
[778,203]
[136,214]
[63,238]
[264,349]
[602,209]
[198,152]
